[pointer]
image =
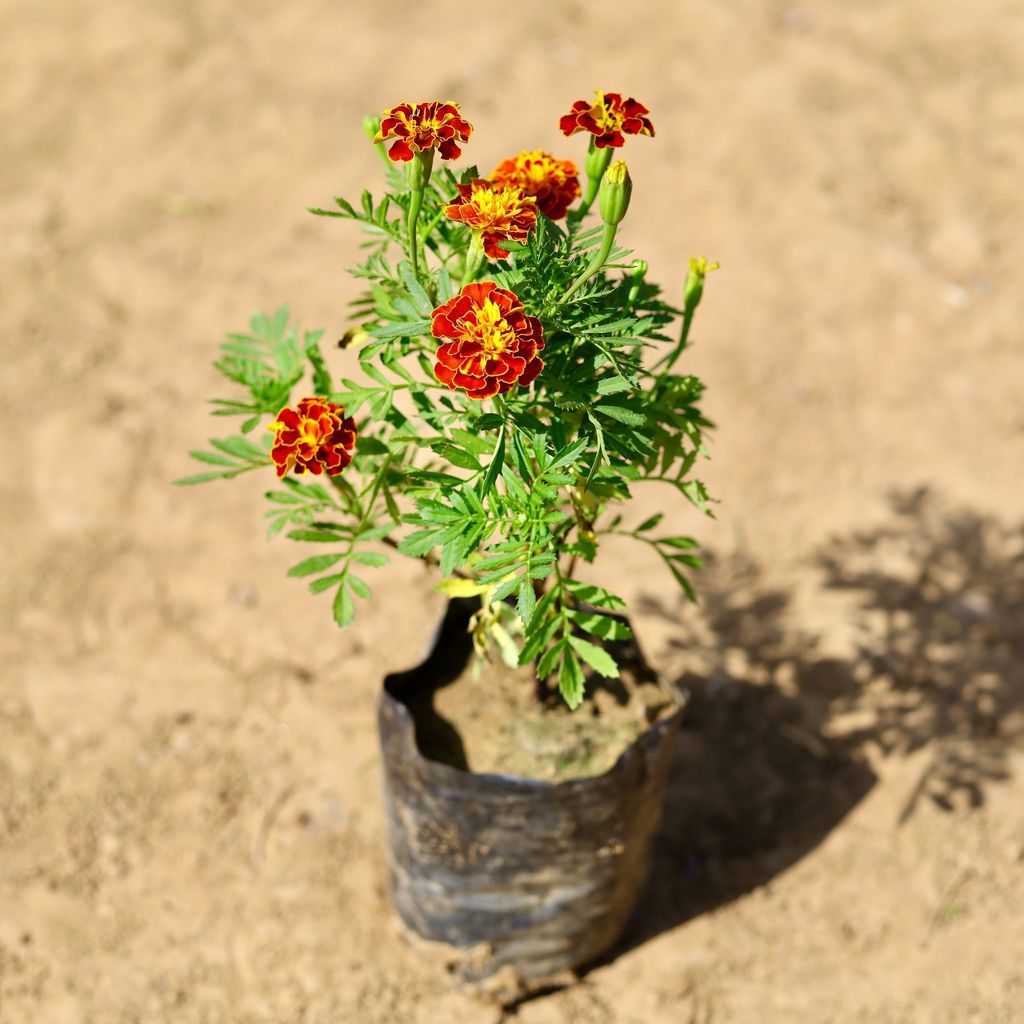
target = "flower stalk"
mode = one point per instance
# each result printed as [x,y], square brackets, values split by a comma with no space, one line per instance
[693,291]
[613,201]
[417,173]
[596,164]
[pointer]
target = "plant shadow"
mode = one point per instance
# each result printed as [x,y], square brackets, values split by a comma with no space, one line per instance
[773,753]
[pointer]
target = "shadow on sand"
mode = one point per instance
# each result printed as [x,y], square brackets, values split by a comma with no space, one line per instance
[772,755]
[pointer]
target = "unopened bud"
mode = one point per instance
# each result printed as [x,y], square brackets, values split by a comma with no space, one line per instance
[616,188]
[693,288]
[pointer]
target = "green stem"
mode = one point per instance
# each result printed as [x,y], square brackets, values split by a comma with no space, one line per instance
[597,260]
[597,163]
[684,335]
[413,215]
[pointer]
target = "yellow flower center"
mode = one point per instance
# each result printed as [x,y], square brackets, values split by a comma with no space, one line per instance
[491,330]
[497,204]
[310,432]
[608,120]
[535,166]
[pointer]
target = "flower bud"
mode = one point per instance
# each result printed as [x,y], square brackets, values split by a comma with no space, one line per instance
[693,288]
[616,188]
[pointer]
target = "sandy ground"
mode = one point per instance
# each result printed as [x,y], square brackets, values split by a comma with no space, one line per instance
[190,827]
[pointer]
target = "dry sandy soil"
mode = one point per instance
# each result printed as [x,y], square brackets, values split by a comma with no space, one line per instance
[190,826]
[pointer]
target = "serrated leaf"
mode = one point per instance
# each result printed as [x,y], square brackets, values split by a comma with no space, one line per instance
[607,627]
[546,664]
[590,594]
[526,603]
[621,414]
[596,657]
[569,455]
[571,683]
[613,385]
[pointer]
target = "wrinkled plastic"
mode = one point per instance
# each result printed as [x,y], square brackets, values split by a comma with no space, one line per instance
[524,878]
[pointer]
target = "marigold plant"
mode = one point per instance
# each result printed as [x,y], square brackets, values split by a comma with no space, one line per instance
[516,383]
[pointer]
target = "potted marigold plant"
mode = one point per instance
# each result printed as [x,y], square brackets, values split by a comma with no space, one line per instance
[518,381]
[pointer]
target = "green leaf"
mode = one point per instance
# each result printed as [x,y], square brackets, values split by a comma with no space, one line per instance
[344,606]
[608,627]
[456,456]
[314,565]
[494,467]
[548,659]
[593,595]
[527,600]
[651,523]
[325,583]
[403,329]
[202,478]
[489,421]
[370,446]
[596,657]
[316,536]
[375,559]
[613,385]
[418,544]
[622,414]
[571,683]
[676,542]
[241,448]
[416,292]
[569,455]
[213,459]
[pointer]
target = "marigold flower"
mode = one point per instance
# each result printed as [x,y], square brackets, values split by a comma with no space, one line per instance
[424,126]
[498,211]
[607,119]
[553,183]
[493,341]
[315,437]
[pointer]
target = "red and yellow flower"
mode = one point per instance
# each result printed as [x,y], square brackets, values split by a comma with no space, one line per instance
[422,126]
[315,437]
[553,183]
[492,342]
[497,211]
[607,119]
